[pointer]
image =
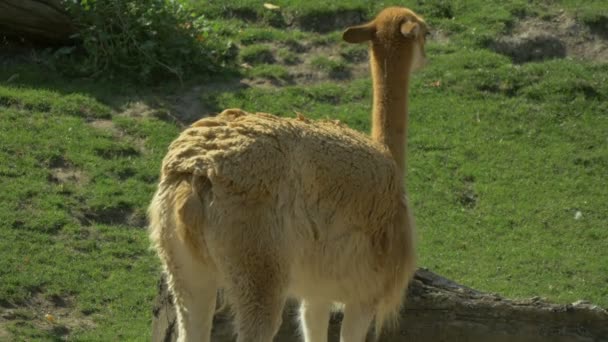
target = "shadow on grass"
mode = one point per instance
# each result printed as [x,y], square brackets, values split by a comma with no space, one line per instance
[169,100]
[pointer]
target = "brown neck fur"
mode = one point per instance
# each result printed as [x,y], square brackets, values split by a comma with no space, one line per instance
[390,73]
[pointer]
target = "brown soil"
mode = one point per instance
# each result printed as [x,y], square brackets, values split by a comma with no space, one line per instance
[189,105]
[62,172]
[562,36]
[320,21]
[306,73]
[107,125]
[55,315]
[124,215]
[303,72]
[68,175]
[139,109]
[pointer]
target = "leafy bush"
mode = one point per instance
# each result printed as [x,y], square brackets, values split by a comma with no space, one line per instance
[144,39]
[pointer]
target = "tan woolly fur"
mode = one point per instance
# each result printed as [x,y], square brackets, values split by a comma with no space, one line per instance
[268,208]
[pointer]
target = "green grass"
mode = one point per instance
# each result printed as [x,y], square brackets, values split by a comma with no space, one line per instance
[334,68]
[64,238]
[52,103]
[354,53]
[288,57]
[254,34]
[502,158]
[257,54]
[269,71]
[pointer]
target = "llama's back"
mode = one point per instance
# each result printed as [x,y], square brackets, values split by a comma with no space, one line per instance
[257,155]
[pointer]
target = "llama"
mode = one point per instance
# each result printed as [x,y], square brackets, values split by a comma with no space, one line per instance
[268,208]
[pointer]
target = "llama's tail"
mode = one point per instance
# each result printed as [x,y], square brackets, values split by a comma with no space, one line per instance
[190,213]
[177,210]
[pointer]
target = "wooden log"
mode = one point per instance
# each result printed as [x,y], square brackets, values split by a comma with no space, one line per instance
[42,21]
[438,309]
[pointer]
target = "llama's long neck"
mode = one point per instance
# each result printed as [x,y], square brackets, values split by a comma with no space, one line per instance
[390,109]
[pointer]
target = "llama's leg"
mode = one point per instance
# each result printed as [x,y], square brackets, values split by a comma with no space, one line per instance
[356,323]
[258,309]
[194,288]
[251,254]
[314,320]
[256,289]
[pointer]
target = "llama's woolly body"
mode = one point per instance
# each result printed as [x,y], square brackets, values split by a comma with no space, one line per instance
[267,208]
[328,197]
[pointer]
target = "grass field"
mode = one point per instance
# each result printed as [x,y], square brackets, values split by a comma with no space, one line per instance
[507,167]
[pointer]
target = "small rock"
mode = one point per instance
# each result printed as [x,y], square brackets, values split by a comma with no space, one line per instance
[578,215]
[581,303]
[271,6]
[9,315]
[50,318]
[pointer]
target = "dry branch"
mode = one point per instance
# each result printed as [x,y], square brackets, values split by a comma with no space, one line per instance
[439,309]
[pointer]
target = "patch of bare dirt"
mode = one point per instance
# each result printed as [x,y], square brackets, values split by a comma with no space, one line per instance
[55,315]
[190,105]
[534,39]
[4,334]
[107,125]
[307,73]
[320,21]
[303,70]
[119,214]
[63,172]
[139,110]
[440,37]
[70,175]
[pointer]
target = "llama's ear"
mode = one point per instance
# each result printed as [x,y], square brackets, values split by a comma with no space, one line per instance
[359,34]
[410,29]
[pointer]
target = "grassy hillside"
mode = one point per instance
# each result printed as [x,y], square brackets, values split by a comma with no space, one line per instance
[507,164]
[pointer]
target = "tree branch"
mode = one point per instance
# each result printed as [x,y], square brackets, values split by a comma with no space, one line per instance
[438,309]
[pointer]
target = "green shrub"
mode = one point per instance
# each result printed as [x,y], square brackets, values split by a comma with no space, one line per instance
[146,40]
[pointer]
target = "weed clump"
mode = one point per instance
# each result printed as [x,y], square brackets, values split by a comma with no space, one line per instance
[288,57]
[270,71]
[257,54]
[335,69]
[146,40]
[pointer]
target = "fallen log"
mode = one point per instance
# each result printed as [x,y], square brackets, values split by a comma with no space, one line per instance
[42,21]
[437,309]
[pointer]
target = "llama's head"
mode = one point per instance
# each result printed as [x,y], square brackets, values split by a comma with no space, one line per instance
[395,33]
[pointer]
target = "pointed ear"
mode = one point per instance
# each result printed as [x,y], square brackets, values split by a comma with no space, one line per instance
[410,29]
[359,34]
